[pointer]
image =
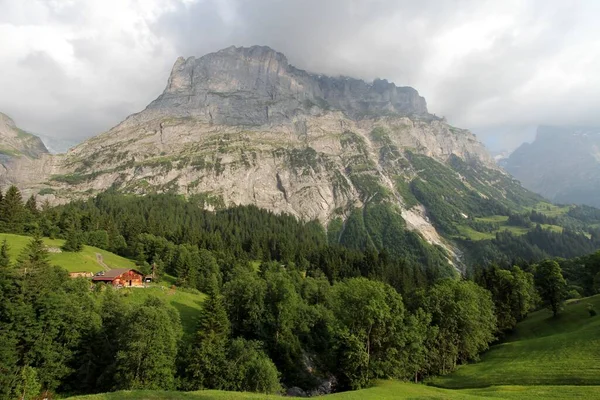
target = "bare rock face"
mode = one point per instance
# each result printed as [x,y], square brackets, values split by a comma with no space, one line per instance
[257,86]
[242,126]
[15,142]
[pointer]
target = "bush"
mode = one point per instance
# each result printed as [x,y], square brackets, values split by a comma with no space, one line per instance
[250,369]
[591,310]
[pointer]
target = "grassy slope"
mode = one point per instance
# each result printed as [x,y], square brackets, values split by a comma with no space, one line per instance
[187,303]
[383,390]
[543,359]
[470,233]
[542,351]
[83,261]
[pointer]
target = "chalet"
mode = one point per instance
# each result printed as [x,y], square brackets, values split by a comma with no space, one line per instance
[121,277]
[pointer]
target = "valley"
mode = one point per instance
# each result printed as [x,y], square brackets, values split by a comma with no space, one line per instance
[304,234]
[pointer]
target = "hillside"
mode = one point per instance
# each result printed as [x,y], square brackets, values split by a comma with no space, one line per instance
[545,358]
[562,164]
[542,351]
[243,126]
[86,260]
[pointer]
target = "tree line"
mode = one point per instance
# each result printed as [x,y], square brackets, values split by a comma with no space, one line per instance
[284,308]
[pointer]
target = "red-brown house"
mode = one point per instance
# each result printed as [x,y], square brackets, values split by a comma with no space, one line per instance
[121,276]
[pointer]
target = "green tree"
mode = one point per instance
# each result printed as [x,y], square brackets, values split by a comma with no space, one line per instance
[463,314]
[31,206]
[245,303]
[148,347]
[28,387]
[551,285]
[4,257]
[207,360]
[249,369]
[369,346]
[74,242]
[34,254]
[12,211]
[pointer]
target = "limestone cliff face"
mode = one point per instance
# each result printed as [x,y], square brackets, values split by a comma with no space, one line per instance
[257,86]
[242,126]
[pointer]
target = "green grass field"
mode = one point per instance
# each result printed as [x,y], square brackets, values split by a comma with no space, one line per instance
[545,358]
[188,303]
[470,233]
[542,351]
[550,209]
[382,391]
[83,261]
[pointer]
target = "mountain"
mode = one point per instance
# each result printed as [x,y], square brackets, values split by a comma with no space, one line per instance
[243,126]
[15,142]
[562,164]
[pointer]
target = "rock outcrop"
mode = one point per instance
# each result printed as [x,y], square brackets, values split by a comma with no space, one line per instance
[15,142]
[257,86]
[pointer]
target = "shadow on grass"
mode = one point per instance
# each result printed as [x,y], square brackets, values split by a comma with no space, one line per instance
[188,315]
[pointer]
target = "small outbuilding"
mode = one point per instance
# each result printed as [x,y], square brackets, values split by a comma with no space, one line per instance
[121,277]
[81,274]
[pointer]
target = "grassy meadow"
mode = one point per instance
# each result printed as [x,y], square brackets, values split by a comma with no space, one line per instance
[466,231]
[187,302]
[83,261]
[542,351]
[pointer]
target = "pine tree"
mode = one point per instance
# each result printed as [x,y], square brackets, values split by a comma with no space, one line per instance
[12,207]
[35,253]
[73,242]
[31,206]
[208,359]
[4,257]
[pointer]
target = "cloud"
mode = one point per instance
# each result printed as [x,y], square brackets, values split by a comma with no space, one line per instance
[500,68]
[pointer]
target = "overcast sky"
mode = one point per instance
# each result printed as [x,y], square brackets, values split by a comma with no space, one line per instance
[75,68]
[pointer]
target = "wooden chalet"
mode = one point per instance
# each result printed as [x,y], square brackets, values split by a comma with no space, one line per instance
[121,277]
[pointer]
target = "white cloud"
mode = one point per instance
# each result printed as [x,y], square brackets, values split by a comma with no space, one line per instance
[75,68]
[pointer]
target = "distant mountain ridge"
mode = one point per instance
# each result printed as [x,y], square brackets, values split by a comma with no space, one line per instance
[562,164]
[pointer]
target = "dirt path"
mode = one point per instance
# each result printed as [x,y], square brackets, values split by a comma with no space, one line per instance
[100,260]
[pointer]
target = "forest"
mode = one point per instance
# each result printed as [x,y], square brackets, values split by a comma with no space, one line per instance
[285,308]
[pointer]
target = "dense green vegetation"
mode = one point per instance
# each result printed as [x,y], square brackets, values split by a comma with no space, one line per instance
[494,219]
[283,306]
[545,357]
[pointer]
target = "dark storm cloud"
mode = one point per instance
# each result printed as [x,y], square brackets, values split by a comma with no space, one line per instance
[499,68]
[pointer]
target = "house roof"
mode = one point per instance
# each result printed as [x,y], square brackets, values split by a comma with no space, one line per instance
[112,274]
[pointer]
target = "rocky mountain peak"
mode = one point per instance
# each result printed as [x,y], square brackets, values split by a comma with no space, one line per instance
[6,124]
[256,86]
[17,142]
